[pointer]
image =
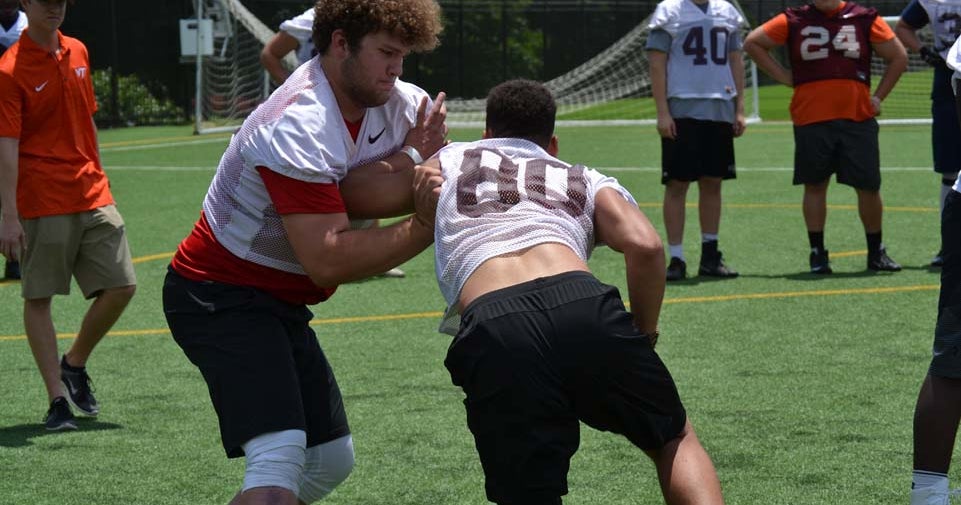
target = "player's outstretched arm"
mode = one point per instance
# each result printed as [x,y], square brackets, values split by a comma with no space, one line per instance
[624,228]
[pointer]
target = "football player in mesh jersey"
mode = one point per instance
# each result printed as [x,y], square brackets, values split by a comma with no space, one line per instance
[697,79]
[944,16]
[274,238]
[541,344]
[830,43]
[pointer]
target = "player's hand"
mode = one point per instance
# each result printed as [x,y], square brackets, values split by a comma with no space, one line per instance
[430,128]
[740,124]
[931,57]
[876,105]
[666,127]
[12,239]
[427,186]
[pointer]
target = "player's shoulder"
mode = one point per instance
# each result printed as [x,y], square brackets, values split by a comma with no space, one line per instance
[725,8]
[667,10]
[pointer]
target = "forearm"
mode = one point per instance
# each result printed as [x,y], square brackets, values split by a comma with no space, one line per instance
[658,62]
[347,255]
[274,67]
[737,71]
[9,151]
[907,35]
[380,189]
[645,286]
[763,59]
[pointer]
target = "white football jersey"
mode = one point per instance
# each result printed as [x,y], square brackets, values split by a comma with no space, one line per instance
[505,195]
[298,132]
[697,65]
[8,37]
[944,16]
[302,28]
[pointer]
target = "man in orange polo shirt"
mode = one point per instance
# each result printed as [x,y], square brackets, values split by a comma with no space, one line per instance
[830,43]
[58,216]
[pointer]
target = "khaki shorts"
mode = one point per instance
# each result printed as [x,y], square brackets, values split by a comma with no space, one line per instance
[90,246]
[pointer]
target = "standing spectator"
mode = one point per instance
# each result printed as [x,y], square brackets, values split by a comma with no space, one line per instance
[938,409]
[944,17]
[542,344]
[58,213]
[12,22]
[830,43]
[697,78]
[294,35]
[274,238]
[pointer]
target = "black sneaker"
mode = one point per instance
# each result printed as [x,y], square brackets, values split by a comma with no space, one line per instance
[938,260]
[676,269]
[713,266]
[12,270]
[881,262]
[79,392]
[820,263]
[59,416]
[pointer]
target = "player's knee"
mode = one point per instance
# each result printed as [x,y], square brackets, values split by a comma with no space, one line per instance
[327,465]
[275,459]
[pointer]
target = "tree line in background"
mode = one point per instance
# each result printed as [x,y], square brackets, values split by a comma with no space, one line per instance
[484,42]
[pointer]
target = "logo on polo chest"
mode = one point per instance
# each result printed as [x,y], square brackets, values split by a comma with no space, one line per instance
[372,139]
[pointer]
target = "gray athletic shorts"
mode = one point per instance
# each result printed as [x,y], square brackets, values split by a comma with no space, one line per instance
[946,359]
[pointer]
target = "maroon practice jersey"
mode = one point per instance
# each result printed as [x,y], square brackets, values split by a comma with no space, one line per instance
[835,47]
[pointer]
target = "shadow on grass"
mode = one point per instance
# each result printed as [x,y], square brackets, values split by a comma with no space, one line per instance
[21,435]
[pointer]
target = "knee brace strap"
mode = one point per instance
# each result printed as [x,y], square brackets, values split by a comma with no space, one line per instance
[327,465]
[275,459]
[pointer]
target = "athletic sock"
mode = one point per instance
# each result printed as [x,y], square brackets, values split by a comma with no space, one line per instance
[709,249]
[874,243]
[816,239]
[921,479]
[677,251]
[708,237]
[69,367]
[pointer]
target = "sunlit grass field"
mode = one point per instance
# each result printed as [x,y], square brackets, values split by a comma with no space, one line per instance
[802,388]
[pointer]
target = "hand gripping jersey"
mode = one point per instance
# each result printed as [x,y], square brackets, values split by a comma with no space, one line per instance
[836,47]
[299,133]
[506,195]
[697,65]
[302,28]
[945,19]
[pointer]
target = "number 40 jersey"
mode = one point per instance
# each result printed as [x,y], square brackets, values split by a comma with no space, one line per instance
[505,195]
[697,65]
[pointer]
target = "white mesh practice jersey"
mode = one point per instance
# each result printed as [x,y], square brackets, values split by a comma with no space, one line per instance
[697,65]
[8,37]
[298,132]
[505,195]
[302,28]
[944,16]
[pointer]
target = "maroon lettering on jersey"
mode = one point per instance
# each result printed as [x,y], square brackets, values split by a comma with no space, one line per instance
[836,47]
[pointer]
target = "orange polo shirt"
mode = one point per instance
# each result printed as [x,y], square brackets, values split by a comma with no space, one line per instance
[47,101]
[830,99]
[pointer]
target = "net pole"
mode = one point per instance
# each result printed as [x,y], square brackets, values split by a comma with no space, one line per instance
[198,106]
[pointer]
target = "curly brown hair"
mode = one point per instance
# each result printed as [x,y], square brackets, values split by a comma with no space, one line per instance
[417,23]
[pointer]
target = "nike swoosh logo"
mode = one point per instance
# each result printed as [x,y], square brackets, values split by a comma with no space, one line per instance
[375,137]
[40,87]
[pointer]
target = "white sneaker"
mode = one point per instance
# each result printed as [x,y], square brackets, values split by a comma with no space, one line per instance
[394,273]
[933,495]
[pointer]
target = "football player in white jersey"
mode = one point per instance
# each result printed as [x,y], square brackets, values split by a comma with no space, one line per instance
[274,238]
[697,79]
[938,409]
[294,35]
[944,16]
[12,23]
[542,344]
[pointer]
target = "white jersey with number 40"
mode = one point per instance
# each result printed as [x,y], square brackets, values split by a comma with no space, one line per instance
[697,65]
[505,195]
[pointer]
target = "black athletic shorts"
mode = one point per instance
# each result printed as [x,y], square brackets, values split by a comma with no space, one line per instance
[847,148]
[536,358]
[261,360]
[946,359]
[701,149]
